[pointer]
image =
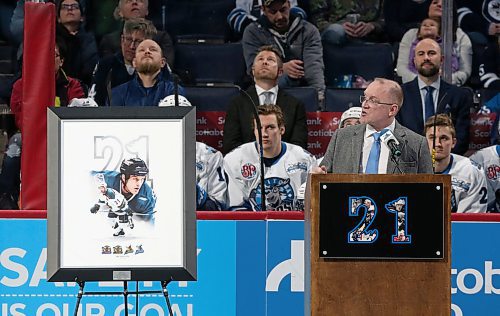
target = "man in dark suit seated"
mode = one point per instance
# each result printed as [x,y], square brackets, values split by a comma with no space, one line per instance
[365,148]
[266,70]
[428,94]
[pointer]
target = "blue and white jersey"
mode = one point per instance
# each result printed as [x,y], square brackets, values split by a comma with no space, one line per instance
[282,179]
[489,159]
[470,193]
[210,179]
[142,204]
[114,200]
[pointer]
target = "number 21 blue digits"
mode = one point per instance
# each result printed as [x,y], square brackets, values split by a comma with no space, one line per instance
[366,206]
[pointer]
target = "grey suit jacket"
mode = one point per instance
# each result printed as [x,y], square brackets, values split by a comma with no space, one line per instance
[345,150]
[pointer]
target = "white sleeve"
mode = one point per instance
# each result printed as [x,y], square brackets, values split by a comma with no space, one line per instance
[216,184]
[404,56]
[476,200]
[236,187]
[463,46]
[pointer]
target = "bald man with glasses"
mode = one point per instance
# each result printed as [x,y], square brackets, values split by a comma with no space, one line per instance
[361,148]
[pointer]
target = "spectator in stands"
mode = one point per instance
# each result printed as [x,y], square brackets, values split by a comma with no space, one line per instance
[81,48]
[428,94]
[350,117]
[358,149]
[343,21]
[211,182]
[286,168]
[402,15]
[67,88]
[116,69]
[489,69]
[480,19]
[248,11]
[469,187]
[461,53]
[10,177]
[298,41]
[489,159]
[150,84]
[129,9]
[266,70]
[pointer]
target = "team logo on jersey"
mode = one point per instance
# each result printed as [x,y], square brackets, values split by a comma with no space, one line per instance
[139,249]
[492,172]
[294,167]
[460,185]
[200,165]
[129,249]
[248,171]
[491,10]
[279,195]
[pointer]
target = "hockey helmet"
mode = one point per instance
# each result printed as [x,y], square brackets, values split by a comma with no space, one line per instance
[170,101]
[83,102]
[134,167]
[354,112]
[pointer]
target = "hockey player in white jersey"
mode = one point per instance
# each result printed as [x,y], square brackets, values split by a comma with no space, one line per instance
[286,168]
[114,202]
[211,182]
[489,159]
[469,187]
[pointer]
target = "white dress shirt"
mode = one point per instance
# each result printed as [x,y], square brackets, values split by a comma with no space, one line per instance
[384,150]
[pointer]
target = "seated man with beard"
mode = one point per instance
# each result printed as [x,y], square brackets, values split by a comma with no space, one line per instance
[150,85]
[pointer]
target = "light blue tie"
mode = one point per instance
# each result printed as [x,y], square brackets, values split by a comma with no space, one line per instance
[373,158]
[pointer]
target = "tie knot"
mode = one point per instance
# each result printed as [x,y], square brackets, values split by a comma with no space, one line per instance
[429,89]
[267,97]
[377,135]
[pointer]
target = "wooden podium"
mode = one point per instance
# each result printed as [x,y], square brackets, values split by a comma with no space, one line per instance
[377,245]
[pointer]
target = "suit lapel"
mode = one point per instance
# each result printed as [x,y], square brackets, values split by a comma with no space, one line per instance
[417,109]
[443,97]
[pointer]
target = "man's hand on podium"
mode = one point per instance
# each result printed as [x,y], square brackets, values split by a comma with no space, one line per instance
[319,170]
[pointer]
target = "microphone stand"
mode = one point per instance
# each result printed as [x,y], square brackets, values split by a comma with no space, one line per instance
[394,159]
[261,150]
[433,153]
[176,89]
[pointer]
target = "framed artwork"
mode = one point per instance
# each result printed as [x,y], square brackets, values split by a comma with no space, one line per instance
[121,194]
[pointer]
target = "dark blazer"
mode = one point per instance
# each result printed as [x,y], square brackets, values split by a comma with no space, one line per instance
[452,100]
[239,117]
[345,150]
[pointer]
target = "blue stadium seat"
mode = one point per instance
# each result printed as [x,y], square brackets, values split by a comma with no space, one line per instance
[211,98]
[339,100]
[368,60]
[308,96]
[198,18]
[211,63]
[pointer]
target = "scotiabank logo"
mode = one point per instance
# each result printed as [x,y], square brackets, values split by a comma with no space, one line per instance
[471,281]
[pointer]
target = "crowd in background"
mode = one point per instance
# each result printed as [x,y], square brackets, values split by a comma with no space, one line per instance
[120,53]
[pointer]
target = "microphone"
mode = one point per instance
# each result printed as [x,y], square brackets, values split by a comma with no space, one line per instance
[176,88]
[392,142]
[261,151]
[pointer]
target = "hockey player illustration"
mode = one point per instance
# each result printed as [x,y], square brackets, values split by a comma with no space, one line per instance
[361,232]
[129,182]
[115,203]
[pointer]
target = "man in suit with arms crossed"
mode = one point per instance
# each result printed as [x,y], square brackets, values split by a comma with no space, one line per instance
[266,70]
[350,149]
[443,97]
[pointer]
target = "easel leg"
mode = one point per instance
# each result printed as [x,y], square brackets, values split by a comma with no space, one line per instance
[79,296]
[125,297]
[165,293]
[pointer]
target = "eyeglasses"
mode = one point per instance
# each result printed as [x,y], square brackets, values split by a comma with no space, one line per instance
[371,101]
[73,6]
[131,41]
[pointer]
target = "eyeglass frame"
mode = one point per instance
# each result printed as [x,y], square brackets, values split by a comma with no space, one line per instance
[67,7]
[130,40]
[363,98]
